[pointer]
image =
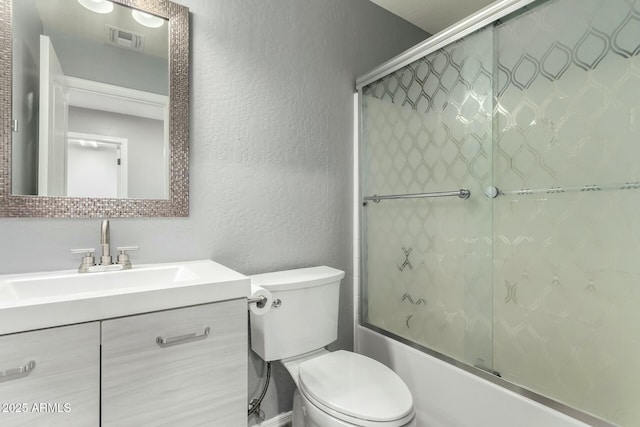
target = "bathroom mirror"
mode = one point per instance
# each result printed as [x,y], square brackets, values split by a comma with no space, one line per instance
[95,98]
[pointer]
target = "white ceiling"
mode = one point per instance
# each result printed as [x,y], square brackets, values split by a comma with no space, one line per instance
[433,16]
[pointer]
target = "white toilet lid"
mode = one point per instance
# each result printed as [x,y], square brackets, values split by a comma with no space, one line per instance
[357,386]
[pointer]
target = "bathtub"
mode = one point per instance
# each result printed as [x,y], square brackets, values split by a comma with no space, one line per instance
[447,396]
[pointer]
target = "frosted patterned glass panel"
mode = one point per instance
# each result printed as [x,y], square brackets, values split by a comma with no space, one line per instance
[568,86]
[566,231]
[567,299]
[427,127]
[540,284]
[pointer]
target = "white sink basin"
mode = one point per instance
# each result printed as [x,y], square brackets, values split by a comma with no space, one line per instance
[67,284]
[40,300]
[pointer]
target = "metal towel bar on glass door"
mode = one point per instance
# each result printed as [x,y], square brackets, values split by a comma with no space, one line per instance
[463,193]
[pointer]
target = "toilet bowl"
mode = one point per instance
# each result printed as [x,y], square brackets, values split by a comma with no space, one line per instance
[348,389]
[341,388]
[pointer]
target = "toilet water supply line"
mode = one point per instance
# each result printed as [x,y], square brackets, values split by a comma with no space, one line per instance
[254,404]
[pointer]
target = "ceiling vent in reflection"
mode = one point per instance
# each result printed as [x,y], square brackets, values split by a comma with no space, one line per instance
[124,39]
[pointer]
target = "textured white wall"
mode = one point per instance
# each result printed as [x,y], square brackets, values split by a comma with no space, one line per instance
[271,151]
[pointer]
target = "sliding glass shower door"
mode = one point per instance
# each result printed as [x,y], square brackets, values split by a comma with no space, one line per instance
[428,128]
[566,225]
[535,277]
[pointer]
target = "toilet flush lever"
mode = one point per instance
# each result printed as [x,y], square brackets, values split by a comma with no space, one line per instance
[276,303]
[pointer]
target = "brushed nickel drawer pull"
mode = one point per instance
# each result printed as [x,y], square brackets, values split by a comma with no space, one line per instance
[182,339]
[16,373]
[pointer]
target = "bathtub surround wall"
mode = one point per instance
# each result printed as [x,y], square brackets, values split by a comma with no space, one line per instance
[271,152]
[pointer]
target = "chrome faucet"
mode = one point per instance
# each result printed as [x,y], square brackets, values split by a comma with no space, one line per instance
[105,240]
[89,265]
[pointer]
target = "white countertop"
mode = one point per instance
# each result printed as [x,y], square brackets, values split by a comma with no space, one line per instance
[42,300]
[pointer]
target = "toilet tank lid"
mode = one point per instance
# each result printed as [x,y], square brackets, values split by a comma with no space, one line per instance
[357,386]
[297,279]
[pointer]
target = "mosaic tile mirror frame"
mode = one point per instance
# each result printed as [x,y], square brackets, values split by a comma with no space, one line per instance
[176,204]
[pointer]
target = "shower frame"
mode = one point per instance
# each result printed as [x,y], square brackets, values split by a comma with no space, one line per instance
[481,19]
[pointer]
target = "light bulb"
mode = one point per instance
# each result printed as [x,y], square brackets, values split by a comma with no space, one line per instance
[97,6]
[147,19]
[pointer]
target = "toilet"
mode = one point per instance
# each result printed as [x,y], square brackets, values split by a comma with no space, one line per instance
[341,388]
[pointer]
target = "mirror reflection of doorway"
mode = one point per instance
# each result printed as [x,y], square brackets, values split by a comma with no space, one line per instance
[96,166]
[66,103]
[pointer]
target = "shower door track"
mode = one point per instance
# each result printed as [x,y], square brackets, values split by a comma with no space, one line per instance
[472,23]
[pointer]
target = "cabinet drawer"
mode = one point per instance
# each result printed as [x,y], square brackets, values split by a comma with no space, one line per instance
[62,388]
[190,379]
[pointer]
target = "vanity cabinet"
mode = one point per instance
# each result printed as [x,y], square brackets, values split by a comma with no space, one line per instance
[176,367]
[51,377]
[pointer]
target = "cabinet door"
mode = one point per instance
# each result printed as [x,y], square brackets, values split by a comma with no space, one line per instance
[51,377]
[194,378]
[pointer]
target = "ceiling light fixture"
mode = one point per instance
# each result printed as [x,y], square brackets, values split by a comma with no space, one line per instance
[147,19]
[84,143]
[97,6]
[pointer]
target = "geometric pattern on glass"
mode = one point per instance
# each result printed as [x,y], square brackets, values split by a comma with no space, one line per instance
[566,92]
[538,283]
[565,144]
[427,127]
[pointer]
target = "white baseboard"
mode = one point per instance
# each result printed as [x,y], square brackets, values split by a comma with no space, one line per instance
[279,420]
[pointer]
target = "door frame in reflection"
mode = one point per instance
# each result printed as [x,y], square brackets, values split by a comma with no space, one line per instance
[59,92]
[78,180]
[115,99]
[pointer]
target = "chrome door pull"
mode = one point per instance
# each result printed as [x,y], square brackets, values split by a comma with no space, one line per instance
[182,339]
[16,373]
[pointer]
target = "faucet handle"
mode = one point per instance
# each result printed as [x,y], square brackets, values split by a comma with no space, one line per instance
[123,257]
[88,251]
[123,249]
[88,260]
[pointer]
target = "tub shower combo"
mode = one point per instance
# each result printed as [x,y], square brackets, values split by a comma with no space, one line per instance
[500,185]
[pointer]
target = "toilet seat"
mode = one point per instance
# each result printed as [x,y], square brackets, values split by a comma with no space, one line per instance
[356,389]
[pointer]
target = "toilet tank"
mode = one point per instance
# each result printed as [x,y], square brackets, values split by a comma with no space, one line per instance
[307,316]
